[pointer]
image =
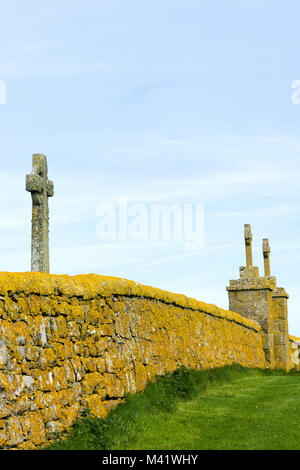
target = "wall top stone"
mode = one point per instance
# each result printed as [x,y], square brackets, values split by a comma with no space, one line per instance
[294,339]
[90,286]
[254,283]
[249,272]
[280,292]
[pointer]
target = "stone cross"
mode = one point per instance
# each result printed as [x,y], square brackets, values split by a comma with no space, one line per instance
[248,244]
[41,188]
[266,253]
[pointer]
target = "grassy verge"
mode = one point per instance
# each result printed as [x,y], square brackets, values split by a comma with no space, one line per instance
[225,408]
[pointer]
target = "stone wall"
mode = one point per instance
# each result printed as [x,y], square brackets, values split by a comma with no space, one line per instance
[68,343]
[294,352]
[251,297]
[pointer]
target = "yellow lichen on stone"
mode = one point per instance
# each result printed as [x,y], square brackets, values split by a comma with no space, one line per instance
[294,352]
[68,343]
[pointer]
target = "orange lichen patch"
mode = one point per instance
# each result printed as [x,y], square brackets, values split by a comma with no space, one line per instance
[91,383]
[33,428]
[51,413]
[95,404]
[294,338]
[294,352]
[14,431]
[69,414]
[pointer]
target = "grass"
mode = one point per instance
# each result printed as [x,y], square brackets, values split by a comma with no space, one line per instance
[220,409]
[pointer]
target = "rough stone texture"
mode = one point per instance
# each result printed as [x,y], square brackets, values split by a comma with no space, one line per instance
[41,189]
[84,341]
[259,299]
[280,324]
[248,245]
[251,297]
[294,352]
[266,254]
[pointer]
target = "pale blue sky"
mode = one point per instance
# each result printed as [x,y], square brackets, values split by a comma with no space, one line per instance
[162,101]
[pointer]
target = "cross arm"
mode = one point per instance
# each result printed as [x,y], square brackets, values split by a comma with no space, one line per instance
[34,183]
[50,189]
[266,247]
[248,243]
[247,234]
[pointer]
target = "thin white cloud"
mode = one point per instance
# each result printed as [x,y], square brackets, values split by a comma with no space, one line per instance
[279,210]
[186,254]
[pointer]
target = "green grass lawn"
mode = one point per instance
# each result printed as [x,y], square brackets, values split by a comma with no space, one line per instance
[218,409]
[249,413]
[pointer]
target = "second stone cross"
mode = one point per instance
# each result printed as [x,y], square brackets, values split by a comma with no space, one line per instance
[41,188]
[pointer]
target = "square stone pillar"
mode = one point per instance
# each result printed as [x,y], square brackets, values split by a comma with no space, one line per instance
[251,297]
[280,326]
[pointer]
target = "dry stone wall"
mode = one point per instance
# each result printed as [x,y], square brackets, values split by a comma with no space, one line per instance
[294,352]
[68,343]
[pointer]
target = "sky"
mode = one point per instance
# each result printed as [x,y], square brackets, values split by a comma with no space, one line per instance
[161,102]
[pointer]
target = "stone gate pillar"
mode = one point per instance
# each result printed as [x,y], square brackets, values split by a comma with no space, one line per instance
[251,297]
[280,316]
[280,322]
